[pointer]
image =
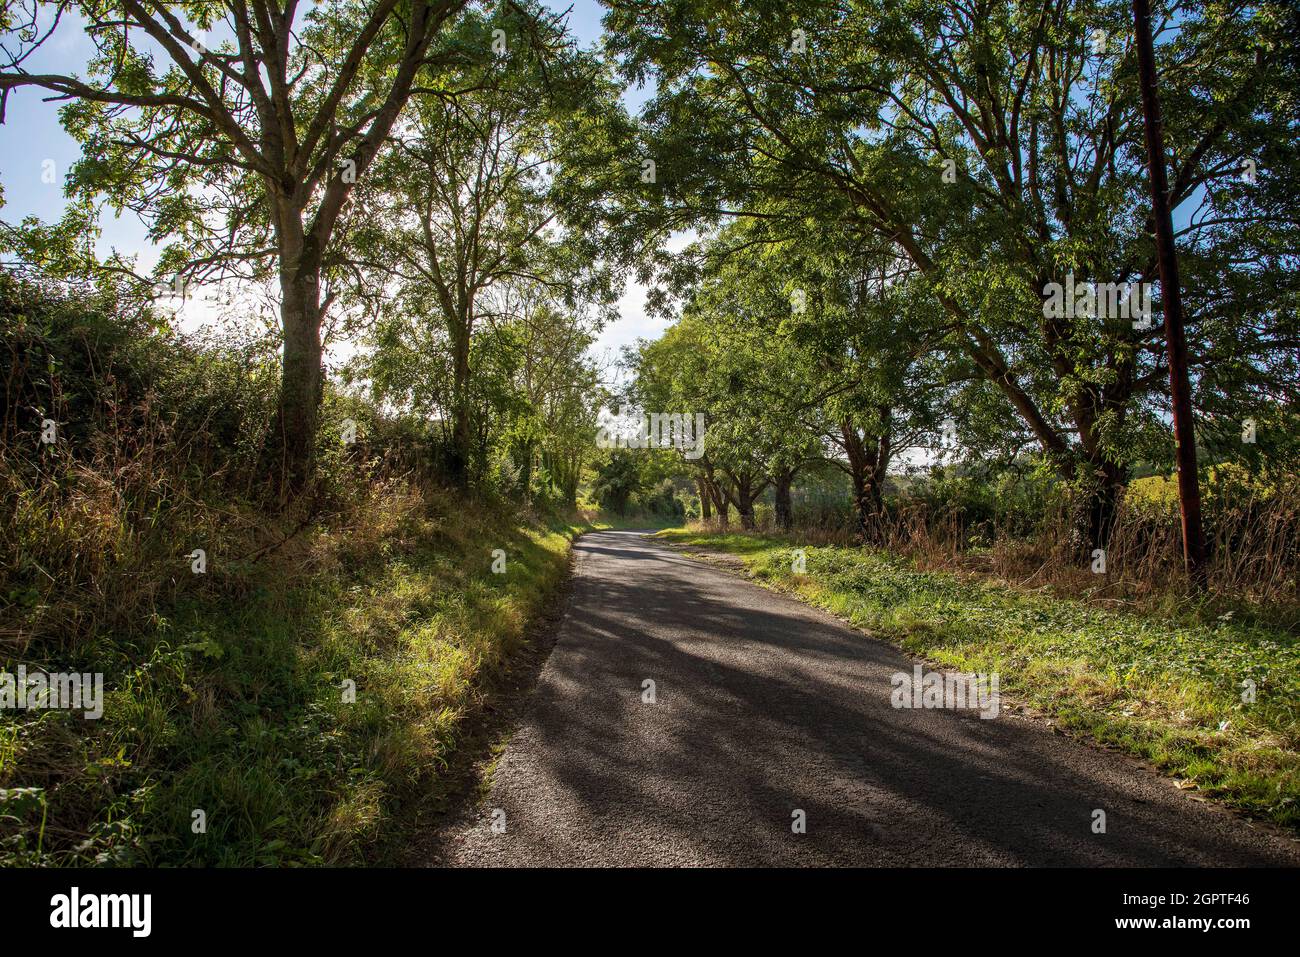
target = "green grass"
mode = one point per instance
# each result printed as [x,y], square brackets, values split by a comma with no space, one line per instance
[236,707]
[607,521]
[1168,689]
[602,519]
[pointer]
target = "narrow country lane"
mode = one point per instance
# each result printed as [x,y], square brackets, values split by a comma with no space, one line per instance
[765,707]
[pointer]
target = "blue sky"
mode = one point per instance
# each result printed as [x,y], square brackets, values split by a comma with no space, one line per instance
[31,139]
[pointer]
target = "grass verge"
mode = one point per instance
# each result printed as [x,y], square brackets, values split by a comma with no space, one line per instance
[230,734]
[1175,691]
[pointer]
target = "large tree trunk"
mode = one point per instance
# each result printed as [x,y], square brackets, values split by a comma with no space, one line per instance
[1091,467]
[871,507]
[859,478]
[746,494]
[714,489]
[1105,485]
[721,504]
[301,378]
[706,498]
[868,461]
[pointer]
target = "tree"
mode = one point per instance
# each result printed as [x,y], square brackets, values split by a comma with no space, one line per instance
[244,149]
[554,391]
[477,200]
[1189,493]
[725,360]
[617,480]
[997,149]
[826,346]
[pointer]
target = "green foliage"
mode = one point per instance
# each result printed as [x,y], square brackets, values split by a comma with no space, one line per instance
[1008,503]
[223,690]
[479,257]
[974,157]
[616,481]
[237,708]
[881,192]
[661,501]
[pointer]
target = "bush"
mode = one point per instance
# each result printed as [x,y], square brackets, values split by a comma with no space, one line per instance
[662,501]
[222,690]
[617,480]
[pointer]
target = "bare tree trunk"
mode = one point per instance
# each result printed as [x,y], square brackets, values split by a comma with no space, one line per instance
[714,489]
[301,379]
[868,460]
[1189,492]
[746,493]
[723,505]
[706,498]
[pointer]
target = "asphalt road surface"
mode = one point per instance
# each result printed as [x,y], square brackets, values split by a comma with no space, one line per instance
[765,707]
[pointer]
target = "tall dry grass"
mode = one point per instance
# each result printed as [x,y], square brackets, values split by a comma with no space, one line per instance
[1252,529]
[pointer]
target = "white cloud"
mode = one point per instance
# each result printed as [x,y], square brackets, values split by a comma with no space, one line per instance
[633,322]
